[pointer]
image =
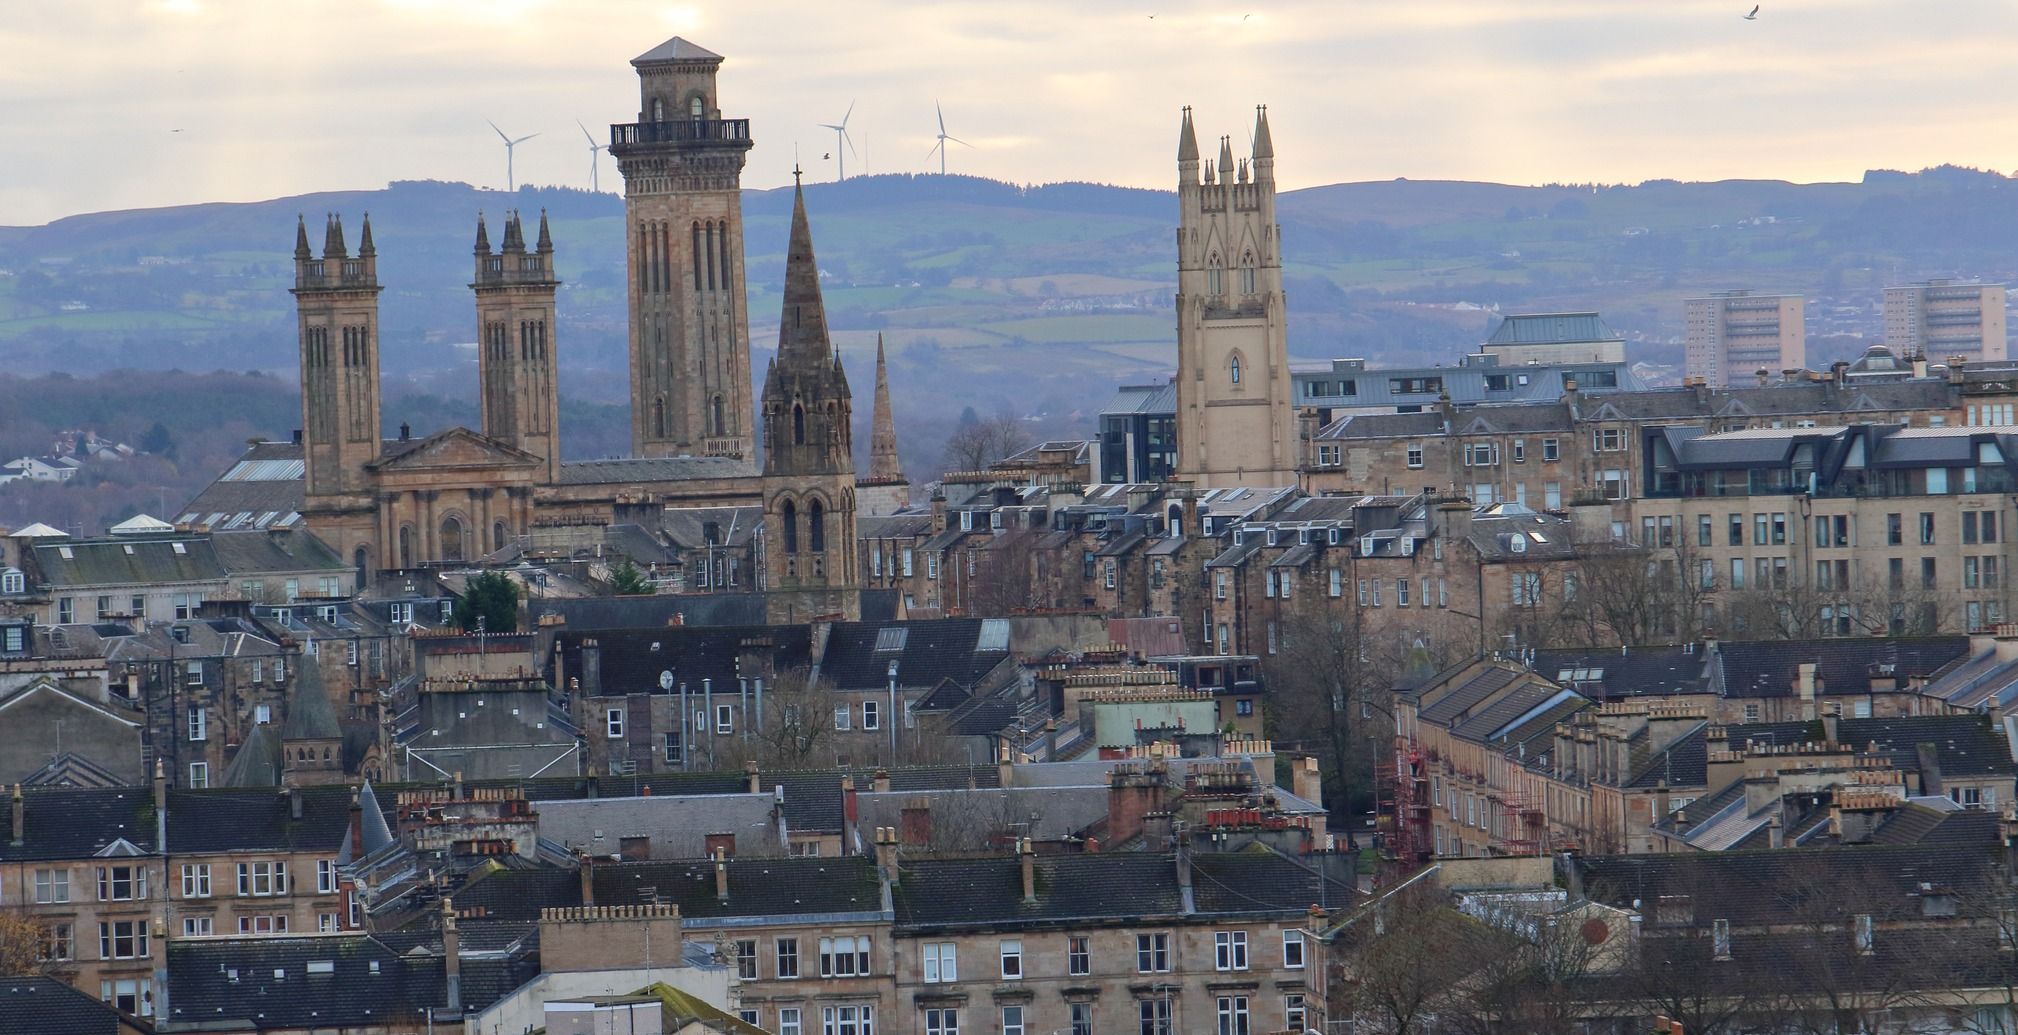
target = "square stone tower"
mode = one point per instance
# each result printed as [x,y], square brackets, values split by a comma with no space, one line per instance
[682,164]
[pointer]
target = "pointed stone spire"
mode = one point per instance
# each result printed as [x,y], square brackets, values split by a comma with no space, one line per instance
[482,236]
[546,242]
[884,466]
[1225,158]
[301,239]
[365,249]
[1187,139]
[802,324]
[1264,145]
[309,713]
[514,235]
[332,239]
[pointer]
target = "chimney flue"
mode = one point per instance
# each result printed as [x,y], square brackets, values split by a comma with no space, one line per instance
[451,952]
[721,876]
[20,816]
[1028,858]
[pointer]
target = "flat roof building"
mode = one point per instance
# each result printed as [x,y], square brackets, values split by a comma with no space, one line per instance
[1731,335]
[1942,319]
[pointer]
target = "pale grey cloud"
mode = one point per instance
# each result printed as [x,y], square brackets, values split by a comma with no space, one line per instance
[280,98]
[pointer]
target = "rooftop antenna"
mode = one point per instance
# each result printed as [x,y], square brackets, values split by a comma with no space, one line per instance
[841,142]
[595,184]
[511,184]
[943,137]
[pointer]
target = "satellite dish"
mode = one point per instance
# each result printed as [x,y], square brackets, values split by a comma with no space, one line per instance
[666,680]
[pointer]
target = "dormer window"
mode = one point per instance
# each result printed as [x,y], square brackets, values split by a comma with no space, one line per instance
[13,581]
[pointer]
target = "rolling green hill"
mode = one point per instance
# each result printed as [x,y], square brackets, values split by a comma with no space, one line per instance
[1064,288]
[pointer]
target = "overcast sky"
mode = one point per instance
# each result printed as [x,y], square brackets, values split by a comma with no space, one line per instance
[108,105]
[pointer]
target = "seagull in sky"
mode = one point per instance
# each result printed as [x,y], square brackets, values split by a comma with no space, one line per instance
[1754,16]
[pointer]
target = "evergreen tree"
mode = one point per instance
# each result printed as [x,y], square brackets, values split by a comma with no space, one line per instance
[491,597]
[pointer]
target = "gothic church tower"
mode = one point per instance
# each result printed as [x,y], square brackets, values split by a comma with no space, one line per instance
[1235,425]
[336,307]
[809,459]
[515,319]
[682,164]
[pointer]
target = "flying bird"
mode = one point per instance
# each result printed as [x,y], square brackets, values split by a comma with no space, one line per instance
[1754,16]
[828,157]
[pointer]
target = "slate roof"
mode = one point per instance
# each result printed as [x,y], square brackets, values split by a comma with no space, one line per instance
[257,820]
[812,796]
[1458,701]
[309,714]
[263,488]
[932,650]
[688,526]
[656,612]
[1664,671]
[1110,887]
[1685,762]
[258,762]
[46,1006]
[274,552]
[757,887]
[1552,329]
[1753,888]
[654,469]
[127,561]
[634,659]
[1767,668]
[676,49]
[264,983]
[1383,426]
[1963,745]
[78,822]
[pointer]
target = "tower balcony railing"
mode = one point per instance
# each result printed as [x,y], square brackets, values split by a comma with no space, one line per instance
[680,131]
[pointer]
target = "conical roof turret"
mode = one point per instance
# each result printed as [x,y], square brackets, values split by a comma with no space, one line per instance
[364,245]
[1187,139]
[546,241]
[884,465]
[1225,158]
[514,235]
[482,236]
[301,239]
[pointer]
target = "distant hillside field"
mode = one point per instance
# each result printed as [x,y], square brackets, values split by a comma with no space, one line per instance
[990,296]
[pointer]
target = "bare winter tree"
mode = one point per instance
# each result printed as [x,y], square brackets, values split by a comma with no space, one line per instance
[1003,582]
[1331,683]
[1411,962]
[976,445]
[796,730]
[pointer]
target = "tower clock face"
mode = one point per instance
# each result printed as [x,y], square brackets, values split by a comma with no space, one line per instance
[666,680]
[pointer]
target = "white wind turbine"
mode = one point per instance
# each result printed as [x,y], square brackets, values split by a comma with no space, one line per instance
[595,160]
[511,184]
[841,140]
[943,137]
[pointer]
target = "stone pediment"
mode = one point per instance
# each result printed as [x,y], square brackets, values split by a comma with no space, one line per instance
[455,448]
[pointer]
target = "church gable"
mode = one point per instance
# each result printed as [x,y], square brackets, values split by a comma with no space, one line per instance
[457,448]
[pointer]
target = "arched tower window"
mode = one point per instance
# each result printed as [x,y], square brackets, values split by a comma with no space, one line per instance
[451,539]
[789,514]
[362,559]
[659,417]
[1247,274]
[1233,368]
[406,546]
[1215,277]
[816,526]
[697,107]
[658,110]
[721,424]
[798,425]
[497,536]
